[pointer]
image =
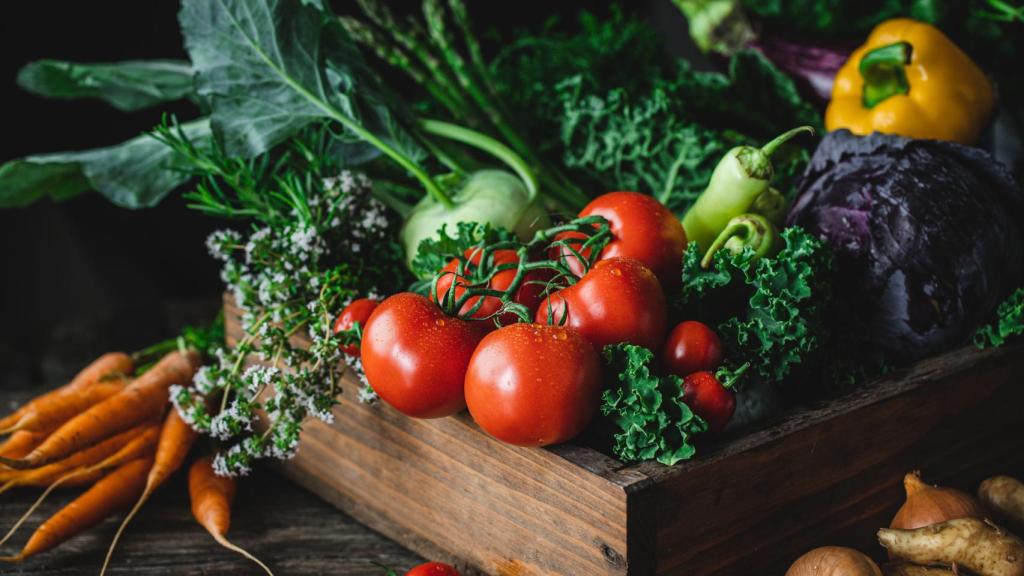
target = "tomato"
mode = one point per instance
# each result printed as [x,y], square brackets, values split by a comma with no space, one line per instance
[357,311]
[642,228]
[415,357]
[618,300]
[706,396]
[528,294]
[692,347]
[533,384]
[433,569]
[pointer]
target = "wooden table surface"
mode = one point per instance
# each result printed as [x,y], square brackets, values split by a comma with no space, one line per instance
[291,530]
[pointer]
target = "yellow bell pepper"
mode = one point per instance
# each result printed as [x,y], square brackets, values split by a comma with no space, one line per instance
[910,79]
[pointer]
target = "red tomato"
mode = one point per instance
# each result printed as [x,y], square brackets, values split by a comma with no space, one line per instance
[433,569]
[642,228]
[528,294]
[692,347]
[533,384]
[618,300]
[415,356]
[706,396]
[357,311]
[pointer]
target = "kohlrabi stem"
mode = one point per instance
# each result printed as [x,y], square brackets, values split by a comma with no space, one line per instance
[487,144]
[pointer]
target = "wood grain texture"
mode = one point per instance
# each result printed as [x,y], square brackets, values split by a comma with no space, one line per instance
[823,474]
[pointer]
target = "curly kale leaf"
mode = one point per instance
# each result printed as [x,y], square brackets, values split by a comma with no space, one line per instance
[1010,323]
[666,140]
[653,421]
[774,316]
[436,251]
[616,50]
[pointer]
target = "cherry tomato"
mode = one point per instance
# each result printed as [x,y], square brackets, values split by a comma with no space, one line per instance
[692,347]
[533,384]
[618,300]
[706,396]
[528,294]
[415,356]
[643,229]
[433,569]
[357,311]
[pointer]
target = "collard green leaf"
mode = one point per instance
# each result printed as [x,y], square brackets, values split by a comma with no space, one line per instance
[653,421]
[272,67]
[130,85]
[135,174]
[259,64]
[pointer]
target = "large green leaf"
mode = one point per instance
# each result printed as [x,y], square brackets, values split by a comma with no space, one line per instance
[271,67]
[135,174]
[128,86]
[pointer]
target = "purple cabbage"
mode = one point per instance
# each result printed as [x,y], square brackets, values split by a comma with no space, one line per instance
[927,235]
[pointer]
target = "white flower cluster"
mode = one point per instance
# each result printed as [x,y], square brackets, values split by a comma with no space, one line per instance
[289,276]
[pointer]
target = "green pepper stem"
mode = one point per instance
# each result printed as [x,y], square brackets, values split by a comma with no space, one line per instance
[744,228]
[883,73]
[487,144]
[769,148]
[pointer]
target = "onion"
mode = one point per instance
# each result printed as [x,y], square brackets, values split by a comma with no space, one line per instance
[927,505]
[834,561]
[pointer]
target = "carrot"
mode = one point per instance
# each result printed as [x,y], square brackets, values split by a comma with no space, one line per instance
[21,443]
[176,438]
[140,446]
[211,497]
[116,490]
[46,416]
[143,399]
[109,363]
[44,475]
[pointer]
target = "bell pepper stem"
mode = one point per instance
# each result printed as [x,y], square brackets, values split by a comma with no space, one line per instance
[883,72]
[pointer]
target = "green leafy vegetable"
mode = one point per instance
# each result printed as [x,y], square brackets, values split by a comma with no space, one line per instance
[128,86]
[653,421]
[1009,322]
[770,312]
[666,141]
[271,70]
[135,174]
[436,251]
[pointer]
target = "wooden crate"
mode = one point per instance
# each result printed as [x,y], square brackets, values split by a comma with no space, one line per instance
[823,474]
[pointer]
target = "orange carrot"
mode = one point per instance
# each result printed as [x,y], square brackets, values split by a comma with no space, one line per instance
[176,438]
[45,475]
[47,416]
[141,446]
[21,443]
[211,497]
[115,491]
[106,365]
[142,400]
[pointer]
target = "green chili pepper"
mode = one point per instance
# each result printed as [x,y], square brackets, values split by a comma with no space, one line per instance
[753,230]
[772,205]
[742,175]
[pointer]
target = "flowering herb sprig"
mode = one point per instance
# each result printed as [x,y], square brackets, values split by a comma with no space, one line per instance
[317,238]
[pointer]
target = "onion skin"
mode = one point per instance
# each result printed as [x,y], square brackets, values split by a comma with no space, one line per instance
[927,505]
[1005,496]
[834,561]
[969,543]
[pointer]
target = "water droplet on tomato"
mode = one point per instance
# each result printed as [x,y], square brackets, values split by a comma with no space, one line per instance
[439,322]
[616,272]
